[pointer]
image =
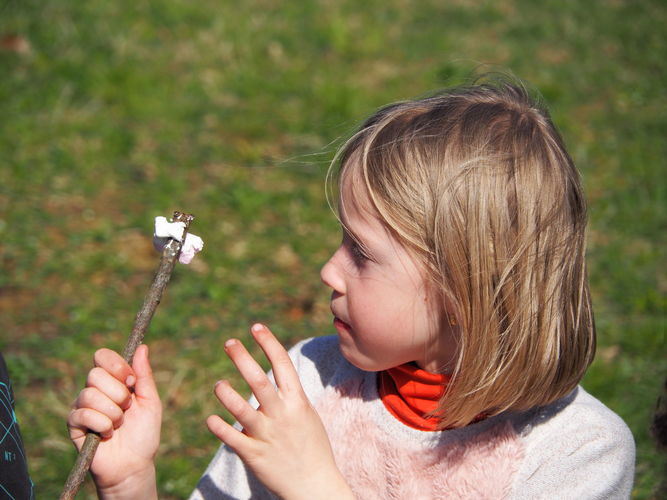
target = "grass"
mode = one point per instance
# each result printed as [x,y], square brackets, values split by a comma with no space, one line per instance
[114,112]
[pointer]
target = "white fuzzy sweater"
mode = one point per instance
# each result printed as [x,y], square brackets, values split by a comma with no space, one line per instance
[575,448]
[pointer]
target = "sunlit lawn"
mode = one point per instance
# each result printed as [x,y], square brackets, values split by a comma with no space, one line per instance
[114,112]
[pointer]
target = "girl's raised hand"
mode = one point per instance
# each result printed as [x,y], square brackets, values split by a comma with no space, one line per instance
[284,441]
[122,404]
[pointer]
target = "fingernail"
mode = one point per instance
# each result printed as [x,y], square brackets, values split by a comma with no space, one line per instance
[231,342]
[130,380]
[257,327]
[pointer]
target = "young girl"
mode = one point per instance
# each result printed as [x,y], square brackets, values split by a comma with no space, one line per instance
[464,325]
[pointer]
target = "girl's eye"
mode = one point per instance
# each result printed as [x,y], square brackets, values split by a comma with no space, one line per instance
[358,255]
[355,251]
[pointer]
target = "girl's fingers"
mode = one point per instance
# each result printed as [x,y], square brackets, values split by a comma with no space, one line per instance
[227,433]
[114,363]
[254,375]
[109,385]
[240,409]
[283,368]
[82,420]
[93,399]
[145,383]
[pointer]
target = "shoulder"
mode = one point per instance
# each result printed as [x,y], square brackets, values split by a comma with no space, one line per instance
[581,419]
[4,376]
[317,348]
[319,362]
[318,353]
[579,413]
[577,445]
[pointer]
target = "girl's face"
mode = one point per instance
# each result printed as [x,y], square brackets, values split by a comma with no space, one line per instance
[380,303]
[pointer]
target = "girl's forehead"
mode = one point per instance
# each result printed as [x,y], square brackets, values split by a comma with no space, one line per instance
[354,201]
[359,217]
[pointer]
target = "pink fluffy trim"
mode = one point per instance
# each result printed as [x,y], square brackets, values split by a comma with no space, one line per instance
[379,466]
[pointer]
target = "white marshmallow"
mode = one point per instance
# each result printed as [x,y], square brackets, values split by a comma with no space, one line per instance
[165,230]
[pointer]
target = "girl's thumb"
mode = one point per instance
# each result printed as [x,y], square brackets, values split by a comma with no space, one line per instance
[145,384]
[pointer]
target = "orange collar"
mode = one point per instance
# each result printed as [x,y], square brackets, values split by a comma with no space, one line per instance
[409,393]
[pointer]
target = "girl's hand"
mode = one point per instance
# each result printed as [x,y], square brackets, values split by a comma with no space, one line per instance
[283,442]
[122,404]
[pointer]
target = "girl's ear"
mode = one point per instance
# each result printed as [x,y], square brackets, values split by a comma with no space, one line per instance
[446,315]
[449,310]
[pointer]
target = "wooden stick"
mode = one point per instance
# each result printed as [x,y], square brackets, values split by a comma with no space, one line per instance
[141,323]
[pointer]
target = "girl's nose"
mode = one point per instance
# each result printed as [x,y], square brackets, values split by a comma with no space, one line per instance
[331,275]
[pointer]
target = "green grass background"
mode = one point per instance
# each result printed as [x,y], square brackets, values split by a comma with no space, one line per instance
[114,112]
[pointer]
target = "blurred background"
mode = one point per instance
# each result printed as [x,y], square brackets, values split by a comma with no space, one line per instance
[112,113]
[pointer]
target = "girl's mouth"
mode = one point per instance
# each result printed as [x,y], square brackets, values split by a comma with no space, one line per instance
[340,325]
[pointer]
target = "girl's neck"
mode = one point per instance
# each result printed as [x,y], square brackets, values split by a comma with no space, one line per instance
[411,394]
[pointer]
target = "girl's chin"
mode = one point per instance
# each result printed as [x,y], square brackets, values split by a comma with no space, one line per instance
[349,348]
[355,358]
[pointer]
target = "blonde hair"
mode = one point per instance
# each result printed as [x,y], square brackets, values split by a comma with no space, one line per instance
[476,183]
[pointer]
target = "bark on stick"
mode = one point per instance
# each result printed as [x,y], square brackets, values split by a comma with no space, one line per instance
[141,323]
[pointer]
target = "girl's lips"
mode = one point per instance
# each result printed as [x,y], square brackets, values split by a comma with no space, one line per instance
[341,325]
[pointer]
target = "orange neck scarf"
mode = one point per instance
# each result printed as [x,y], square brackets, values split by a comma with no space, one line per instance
[409,393]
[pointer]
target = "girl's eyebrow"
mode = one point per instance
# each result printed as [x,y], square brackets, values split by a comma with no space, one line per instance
[352,235]
[348,230]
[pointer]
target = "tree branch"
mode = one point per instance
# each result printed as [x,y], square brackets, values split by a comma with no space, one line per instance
[141,323]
